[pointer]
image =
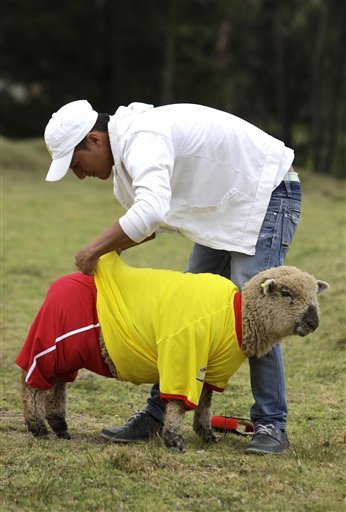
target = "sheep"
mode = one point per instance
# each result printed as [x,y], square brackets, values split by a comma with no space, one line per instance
[276,303]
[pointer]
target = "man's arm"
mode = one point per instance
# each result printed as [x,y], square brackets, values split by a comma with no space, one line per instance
[113,239]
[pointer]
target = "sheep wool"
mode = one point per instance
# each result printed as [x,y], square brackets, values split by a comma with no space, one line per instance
[147,342]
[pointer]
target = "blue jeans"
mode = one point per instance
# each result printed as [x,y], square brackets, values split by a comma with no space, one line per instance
[275,237]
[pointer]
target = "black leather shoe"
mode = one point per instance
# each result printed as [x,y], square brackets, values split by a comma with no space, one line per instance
[268,439]
[142,426]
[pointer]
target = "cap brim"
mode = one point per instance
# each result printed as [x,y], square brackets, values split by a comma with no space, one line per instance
[59,167]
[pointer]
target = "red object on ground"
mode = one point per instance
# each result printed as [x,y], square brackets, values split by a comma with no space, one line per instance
[230,424]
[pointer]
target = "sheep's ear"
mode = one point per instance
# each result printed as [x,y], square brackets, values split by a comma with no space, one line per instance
[268,286]
[322,287]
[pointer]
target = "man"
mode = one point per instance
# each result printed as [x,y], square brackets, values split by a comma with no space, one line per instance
[209,176]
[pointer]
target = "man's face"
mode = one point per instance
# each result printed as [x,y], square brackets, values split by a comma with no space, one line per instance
[96,161]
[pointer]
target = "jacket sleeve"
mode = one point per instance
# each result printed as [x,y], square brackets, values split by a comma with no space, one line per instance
[149,160]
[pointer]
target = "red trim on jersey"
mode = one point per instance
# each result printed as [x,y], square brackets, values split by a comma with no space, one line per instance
[214,388]
[167,396]
[238,317]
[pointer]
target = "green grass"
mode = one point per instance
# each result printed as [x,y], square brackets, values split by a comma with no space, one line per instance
[43,226]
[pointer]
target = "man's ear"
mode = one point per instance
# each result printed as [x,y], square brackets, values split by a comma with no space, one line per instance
[268,286]
[93,139]
[322,287]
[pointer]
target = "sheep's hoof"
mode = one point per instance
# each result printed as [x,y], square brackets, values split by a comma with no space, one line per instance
[206,433]
[37,429]
[174,441]
[210,438]
[58,425]
[64,435]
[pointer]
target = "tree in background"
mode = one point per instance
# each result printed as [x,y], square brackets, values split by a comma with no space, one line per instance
[278,64]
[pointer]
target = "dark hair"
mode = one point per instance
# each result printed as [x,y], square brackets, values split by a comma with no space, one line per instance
[101,125]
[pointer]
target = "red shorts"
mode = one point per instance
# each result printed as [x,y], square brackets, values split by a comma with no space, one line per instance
[64,336]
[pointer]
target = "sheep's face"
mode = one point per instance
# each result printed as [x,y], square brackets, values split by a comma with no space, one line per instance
[279,302]
[293,296]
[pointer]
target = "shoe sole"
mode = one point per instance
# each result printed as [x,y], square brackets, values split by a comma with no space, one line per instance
[114,439]
[264,452]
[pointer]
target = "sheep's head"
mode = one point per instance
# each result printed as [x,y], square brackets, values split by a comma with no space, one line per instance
[279,302]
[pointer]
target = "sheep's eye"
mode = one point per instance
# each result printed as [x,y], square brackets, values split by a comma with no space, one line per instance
[286,294]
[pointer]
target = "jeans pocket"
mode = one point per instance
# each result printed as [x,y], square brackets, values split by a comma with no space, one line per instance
[276,236]
[290,223]
[266,253]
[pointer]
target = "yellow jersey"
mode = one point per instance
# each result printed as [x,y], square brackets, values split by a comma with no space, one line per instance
[167,327]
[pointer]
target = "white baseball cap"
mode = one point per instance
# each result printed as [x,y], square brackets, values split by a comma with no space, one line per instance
[65,130]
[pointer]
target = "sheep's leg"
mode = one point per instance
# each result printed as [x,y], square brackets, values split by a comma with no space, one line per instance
[201,420]
[33,409]
[55,402]
[173,425]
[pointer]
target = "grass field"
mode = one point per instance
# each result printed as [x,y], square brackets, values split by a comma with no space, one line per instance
[43,226]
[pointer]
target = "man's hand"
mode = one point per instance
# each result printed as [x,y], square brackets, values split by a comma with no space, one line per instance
[85,261]
[114,239]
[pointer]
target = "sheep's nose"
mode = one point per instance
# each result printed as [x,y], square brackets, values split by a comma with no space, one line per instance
[308,323]
[310,318]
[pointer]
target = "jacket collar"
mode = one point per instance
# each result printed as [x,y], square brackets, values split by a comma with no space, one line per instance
[120,123]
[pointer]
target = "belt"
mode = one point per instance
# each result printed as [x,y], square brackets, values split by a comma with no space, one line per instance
[291,176]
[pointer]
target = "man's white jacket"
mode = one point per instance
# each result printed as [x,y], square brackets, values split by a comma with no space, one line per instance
[192,169]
